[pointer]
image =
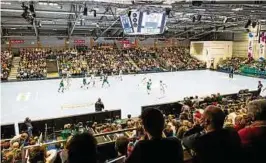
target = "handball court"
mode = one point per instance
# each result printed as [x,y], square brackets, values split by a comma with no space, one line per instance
[40,99]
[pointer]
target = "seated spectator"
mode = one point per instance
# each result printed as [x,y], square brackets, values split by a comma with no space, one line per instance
[155,148]
[82,149]
[121,145]
[40,154]
[21,139]
[168,132]
[253,137]
[214,144]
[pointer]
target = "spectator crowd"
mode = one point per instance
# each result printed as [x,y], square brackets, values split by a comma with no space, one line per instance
[98,60]
[211,129]
[32,64]
[6,63]
[244,66]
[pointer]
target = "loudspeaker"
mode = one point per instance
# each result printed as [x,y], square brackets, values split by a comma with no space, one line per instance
[167,11]
[85,12]
[248,23]
[134,17]
[129,13]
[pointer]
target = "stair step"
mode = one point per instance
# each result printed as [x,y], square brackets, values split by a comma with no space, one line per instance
[15,65]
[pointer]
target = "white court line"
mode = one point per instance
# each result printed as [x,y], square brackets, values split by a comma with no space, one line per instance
[37,96]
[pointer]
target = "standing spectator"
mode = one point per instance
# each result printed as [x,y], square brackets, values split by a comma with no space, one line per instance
[155,148]
[82,149]
[99,106]
[214,144]
[29,126]
[259,88]
[253,137]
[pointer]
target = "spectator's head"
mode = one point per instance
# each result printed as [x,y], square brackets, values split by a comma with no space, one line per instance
[15,145]
[129,116]
[168,131]
[153,122]
[213,118]
[82,149]
[121,145]
[99,100]
[257,109]
[37,154]
[27,119]
[24,136]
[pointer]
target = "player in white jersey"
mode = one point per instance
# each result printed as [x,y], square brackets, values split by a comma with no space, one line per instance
[120,74]
[92,80]
[101,75]
[144,80]
[162,87]
[68,80]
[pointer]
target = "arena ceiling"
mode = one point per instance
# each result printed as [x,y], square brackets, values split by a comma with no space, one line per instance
[186,19]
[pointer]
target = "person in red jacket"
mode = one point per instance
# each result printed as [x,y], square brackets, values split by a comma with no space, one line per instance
[253,137]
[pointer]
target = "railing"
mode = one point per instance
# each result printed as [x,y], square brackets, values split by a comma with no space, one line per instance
[117,159]
[25,149]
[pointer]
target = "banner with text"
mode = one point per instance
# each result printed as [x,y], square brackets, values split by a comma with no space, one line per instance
[262,45]
[250,45]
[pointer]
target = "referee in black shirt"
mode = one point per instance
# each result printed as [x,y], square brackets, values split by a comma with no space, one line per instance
[99,106]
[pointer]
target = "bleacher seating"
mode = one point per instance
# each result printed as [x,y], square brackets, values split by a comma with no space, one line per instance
[98,60]
[6,61]
[244,66]
[108,126]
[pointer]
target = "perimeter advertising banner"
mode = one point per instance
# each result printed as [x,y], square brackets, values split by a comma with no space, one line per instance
[262,45]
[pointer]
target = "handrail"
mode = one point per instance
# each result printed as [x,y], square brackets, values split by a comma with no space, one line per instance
[42,144]
[6,139]
[95,135]
[114,132]
[116,159]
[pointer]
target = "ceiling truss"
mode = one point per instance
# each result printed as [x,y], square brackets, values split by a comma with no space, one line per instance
[66,18]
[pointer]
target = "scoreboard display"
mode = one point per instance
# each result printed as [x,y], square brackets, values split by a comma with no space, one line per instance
[143,23]
[152,23]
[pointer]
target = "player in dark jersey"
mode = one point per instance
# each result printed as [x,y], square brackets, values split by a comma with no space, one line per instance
[61,86]
[84,81]
[105,80]
[231,72]
[149,83]
[259,87]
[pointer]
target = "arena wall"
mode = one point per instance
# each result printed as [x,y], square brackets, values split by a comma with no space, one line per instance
[58,43]
[211,51]
[240,46]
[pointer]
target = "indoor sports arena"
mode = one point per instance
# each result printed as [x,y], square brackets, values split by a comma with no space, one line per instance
[133,81]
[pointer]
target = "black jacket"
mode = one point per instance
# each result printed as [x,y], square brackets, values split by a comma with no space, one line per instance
[99,106]
[165,150]
[218,146]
